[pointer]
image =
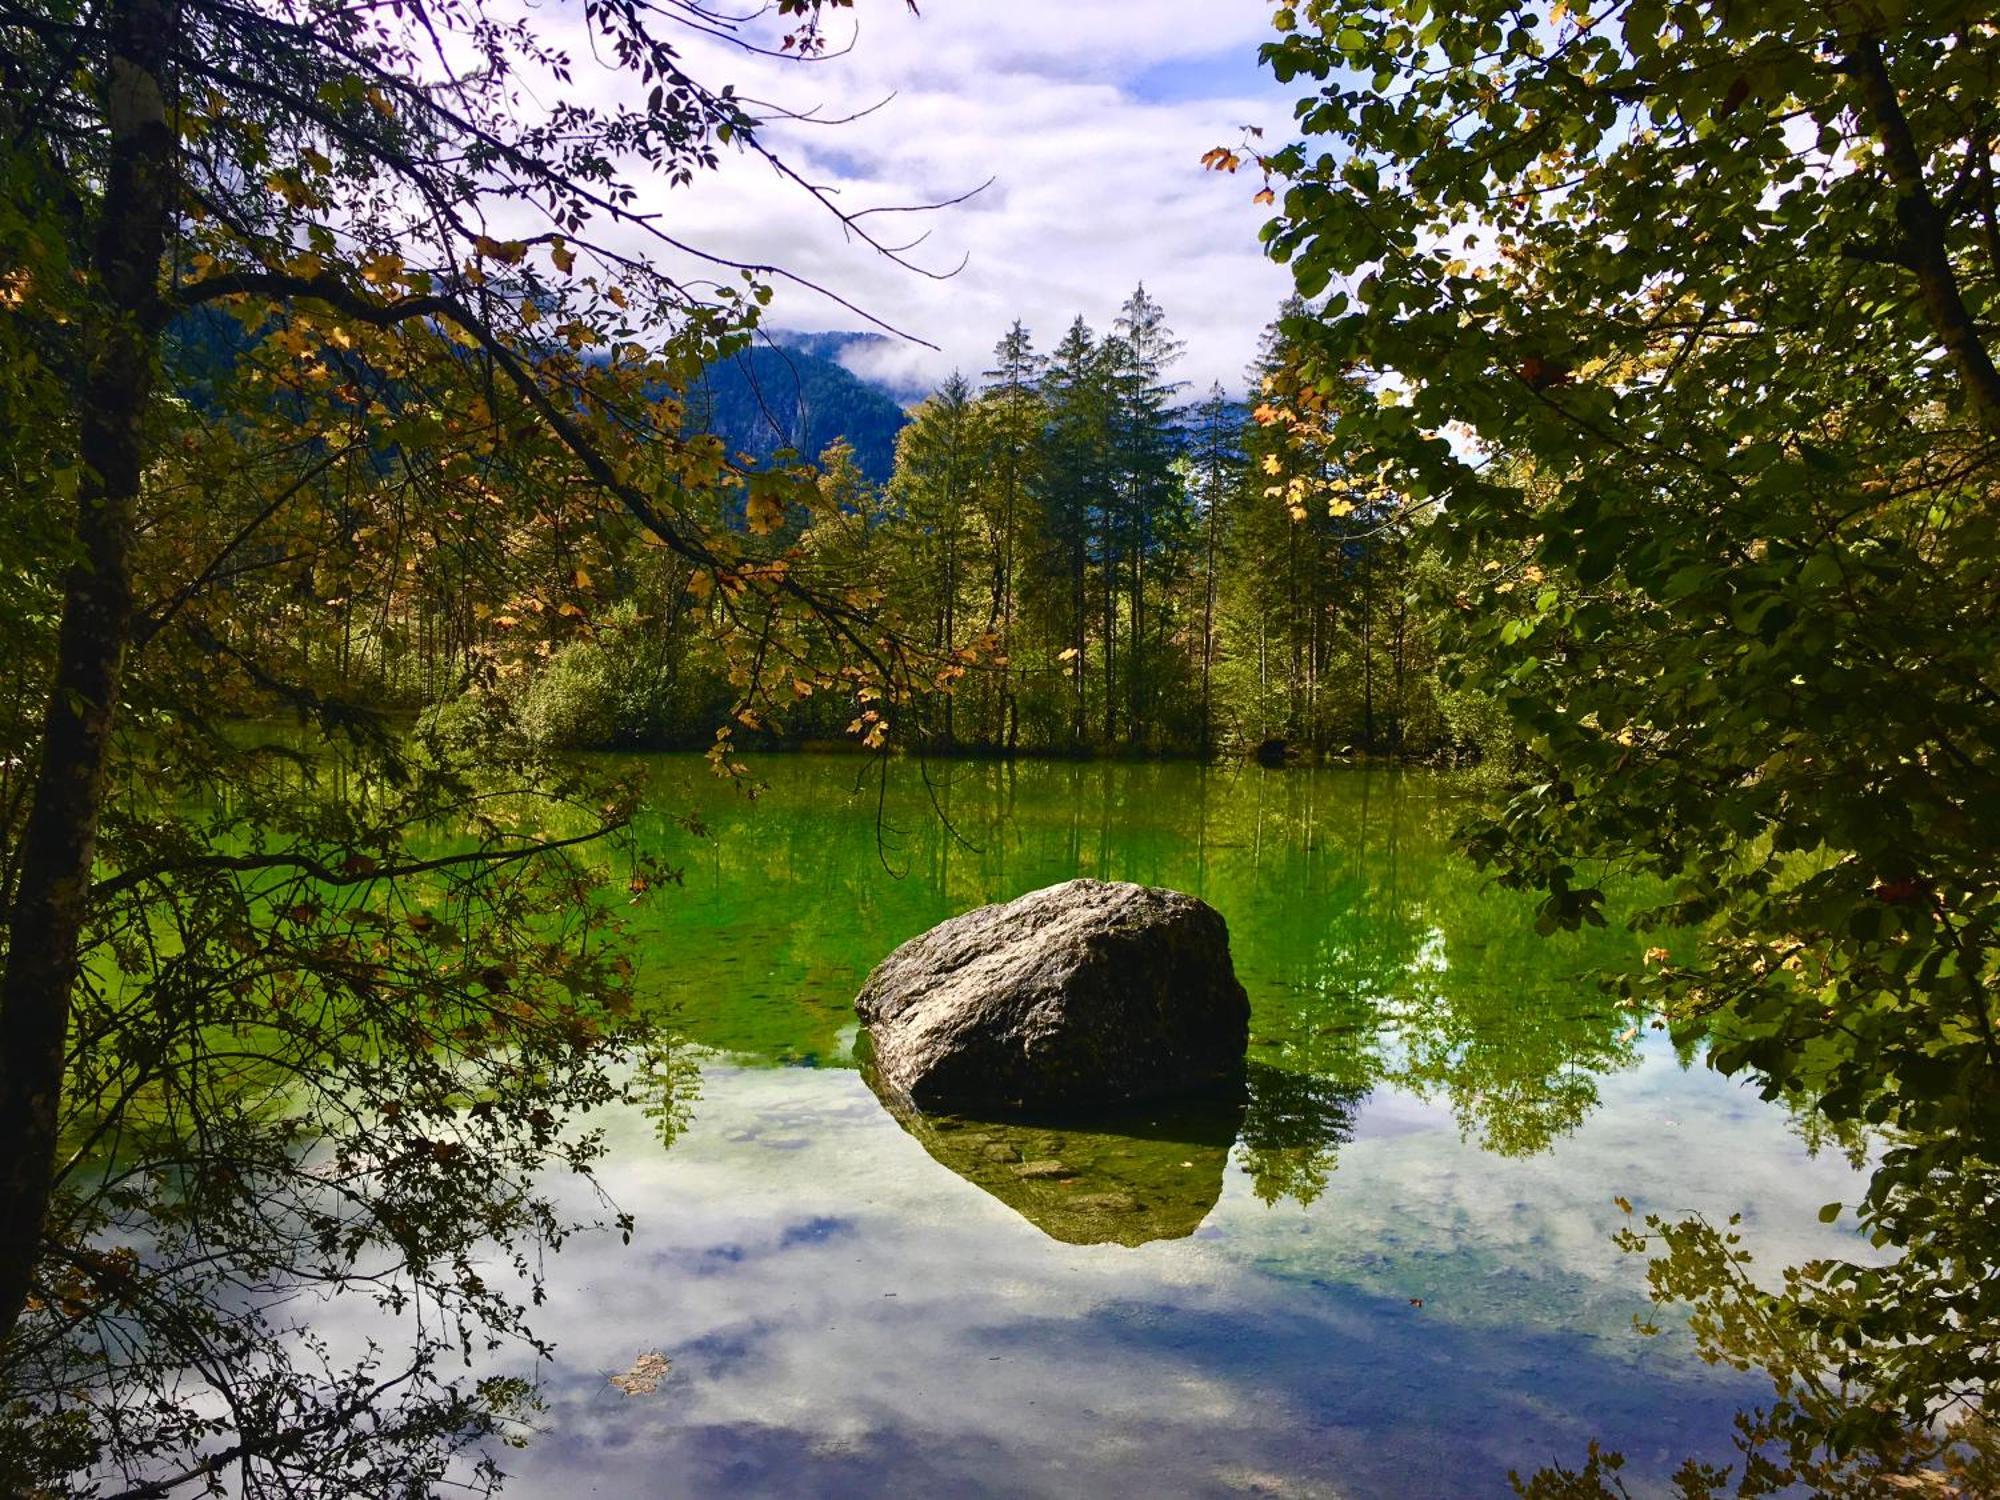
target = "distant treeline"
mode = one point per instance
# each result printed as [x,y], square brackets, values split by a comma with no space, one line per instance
[1106,567]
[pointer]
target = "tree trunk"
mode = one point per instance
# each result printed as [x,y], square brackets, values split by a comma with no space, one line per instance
[1926,229]
[1079,612]
[1136,667]
[58,847]
[1208,624]
[1402,702]
[1010,715]
[1368,650]
[1110,636]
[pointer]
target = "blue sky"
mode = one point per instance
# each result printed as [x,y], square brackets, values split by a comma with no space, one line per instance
[1231,74]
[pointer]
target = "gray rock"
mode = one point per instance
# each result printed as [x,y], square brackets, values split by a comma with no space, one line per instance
[1084,995]
[1044,1171]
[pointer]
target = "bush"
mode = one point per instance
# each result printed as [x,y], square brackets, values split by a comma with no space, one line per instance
[573,702]
[629,686]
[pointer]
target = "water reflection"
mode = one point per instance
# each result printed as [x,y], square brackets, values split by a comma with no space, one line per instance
[1293,1130]
[1124,1179]
[1150,1173]
[846,1317]
[1385,1271]
[1372,954]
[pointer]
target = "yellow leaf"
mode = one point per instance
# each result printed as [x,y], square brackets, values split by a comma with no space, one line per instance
[563,256]
[644,1378]
[507,252]
[765,511]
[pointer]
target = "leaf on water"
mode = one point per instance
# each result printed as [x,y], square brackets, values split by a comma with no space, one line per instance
[644,1378]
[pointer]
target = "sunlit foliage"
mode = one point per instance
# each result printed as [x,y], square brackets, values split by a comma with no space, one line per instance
[1681,316]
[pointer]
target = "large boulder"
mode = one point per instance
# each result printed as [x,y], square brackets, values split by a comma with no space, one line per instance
[1083,996]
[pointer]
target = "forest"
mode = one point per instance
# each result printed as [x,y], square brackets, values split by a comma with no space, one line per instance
[1101,566]
[1568,653]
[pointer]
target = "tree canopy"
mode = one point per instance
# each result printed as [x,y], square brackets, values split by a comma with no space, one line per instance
[1680,317]
[332,353]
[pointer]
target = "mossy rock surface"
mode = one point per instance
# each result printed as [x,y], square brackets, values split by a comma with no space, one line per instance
[1124,1179]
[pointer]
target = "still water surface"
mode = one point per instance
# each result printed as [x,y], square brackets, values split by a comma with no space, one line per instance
[1387,1272]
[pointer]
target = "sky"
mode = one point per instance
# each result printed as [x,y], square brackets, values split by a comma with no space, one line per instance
[1090,117]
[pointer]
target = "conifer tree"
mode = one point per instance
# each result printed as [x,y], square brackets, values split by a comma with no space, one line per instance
[1143,445]
[1076,495]
[1013,406]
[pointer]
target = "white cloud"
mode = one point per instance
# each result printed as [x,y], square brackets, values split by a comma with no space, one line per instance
[1090,116]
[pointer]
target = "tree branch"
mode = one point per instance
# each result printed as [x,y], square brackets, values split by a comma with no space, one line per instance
[1924,228]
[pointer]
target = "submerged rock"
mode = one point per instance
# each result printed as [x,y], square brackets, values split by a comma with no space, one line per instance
[1126,1179]
[1085,995]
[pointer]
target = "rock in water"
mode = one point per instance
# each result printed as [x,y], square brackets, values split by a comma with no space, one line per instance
[1085,995]
[1152,1172]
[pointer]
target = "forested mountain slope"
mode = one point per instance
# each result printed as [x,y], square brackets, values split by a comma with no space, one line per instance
[790,394]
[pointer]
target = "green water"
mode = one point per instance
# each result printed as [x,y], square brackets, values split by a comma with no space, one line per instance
[1371,952]
[1384,1271]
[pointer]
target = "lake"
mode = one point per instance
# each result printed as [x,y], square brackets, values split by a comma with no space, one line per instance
[1387,1271]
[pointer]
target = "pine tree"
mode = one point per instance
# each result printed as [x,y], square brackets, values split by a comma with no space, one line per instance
[1014,417]
[934,489]
[1076,494]
[1144,442]
[1215,465]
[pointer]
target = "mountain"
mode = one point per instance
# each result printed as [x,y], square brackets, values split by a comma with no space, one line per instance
[796,395]
[850,350]
[789,394]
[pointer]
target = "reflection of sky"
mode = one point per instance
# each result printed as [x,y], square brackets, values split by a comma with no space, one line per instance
[845,1316]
